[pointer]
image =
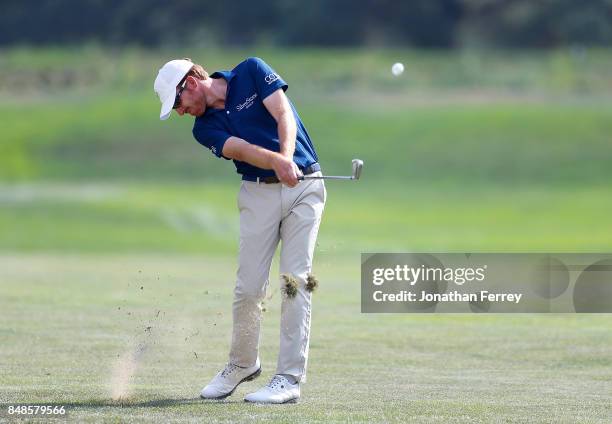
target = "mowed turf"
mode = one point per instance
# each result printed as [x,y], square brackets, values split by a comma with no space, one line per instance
[118,236]
[152,321]
[69,321]
[364,216]
[522,117]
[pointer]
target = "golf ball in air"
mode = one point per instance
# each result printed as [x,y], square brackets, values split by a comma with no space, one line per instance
[397,69]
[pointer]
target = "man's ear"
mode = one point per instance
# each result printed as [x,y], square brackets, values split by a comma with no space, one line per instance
[191,82]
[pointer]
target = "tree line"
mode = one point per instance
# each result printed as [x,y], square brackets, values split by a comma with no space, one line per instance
[333,23]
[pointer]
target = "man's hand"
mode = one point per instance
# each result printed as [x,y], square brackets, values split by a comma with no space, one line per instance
[286,170]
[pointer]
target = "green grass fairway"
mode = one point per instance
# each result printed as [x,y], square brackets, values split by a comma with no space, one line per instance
[74,314]
[69,320]
[119,234]
[364,216]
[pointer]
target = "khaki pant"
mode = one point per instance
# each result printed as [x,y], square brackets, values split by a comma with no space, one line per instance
[270,213]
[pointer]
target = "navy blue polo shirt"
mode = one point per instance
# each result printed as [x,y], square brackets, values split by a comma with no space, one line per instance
[246,117]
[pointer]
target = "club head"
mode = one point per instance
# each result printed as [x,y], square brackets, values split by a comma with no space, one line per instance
[357,165]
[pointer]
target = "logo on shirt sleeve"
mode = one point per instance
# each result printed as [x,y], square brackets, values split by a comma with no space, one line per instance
[270,78]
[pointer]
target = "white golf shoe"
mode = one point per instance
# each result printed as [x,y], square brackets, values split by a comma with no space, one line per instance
[278,390]
[228,379]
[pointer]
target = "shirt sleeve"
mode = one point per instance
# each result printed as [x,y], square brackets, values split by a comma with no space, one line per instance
[267,81]
[211,137]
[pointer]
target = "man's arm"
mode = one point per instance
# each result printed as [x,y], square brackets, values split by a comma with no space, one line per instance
[280,109]
[243,151]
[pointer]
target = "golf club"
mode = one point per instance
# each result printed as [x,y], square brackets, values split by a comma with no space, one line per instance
[357,165]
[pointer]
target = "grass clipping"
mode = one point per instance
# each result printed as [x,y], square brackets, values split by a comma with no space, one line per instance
[311,283]
[290,285]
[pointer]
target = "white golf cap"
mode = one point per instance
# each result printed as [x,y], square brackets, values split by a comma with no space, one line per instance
[165,84]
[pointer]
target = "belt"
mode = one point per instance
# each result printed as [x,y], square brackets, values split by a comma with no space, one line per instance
[315,167]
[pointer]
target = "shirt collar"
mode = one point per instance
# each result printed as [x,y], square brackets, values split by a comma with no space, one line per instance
[226,75]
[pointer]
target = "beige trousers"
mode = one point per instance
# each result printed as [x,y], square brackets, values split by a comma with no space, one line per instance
[270,213]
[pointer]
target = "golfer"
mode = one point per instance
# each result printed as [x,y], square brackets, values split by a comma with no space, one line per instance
[244,115]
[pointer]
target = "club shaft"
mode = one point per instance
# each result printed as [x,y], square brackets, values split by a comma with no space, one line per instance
[325,177]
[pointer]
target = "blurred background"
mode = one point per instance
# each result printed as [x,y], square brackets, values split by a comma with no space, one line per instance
[496,137]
